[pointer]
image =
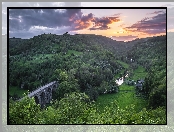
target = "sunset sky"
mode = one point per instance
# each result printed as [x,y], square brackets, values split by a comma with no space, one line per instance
[118,24]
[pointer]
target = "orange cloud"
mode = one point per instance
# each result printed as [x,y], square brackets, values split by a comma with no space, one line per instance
[92,23]
[102,23]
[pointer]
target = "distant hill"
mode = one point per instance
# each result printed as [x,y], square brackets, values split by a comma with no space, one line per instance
[71,40]
[88,39]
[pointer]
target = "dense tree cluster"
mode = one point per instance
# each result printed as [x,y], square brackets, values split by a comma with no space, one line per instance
[45,58]
[75,108]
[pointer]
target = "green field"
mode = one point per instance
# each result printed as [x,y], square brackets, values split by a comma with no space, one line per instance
[16,90]
[125,97]
[125,65]
[139,73]
[74,52]
[125,87]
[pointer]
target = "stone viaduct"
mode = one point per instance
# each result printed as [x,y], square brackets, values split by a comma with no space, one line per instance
[43,95]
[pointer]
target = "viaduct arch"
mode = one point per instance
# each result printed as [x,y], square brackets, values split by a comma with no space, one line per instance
[43,95]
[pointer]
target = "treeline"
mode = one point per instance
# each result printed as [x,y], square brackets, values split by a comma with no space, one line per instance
[79,42]
[75,108]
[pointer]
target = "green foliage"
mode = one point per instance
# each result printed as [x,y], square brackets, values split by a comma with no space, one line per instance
[88,64]
[75,108]
[73,52]
[61,75]
[125,97]
[151,55]
[139,73]
[52,57]
[25,111]
[155,86]
[113,114]
[15,90]
[103,87]
[65,87]
[125,65]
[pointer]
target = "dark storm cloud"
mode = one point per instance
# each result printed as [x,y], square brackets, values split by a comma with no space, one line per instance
[102,23]
[22,30]
[87,17]
[25,19]
[30,4]
[82,22]
[150,25]
[85,21]
[36,17]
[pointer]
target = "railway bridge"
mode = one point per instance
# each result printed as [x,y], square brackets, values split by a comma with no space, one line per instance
[43,95]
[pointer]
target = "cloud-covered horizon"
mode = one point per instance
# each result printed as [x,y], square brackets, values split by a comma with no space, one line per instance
[150,25]
[110,22]
[59,21]
[54,19]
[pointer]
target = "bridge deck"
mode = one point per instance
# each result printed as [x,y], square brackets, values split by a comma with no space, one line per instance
[40,89]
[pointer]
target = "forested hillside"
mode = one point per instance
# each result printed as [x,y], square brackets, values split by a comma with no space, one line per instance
[151,54]
[86,67]
[68,59]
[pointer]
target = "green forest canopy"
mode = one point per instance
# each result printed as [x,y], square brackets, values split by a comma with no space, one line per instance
[87,64]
